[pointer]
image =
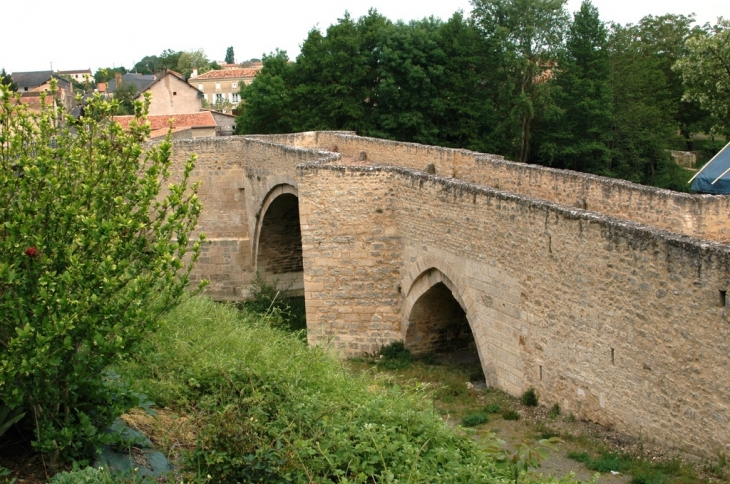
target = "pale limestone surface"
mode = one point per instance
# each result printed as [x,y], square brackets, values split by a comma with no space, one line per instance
[605,296]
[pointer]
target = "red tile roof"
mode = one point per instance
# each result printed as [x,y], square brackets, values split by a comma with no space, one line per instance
[228,73]
[160,123]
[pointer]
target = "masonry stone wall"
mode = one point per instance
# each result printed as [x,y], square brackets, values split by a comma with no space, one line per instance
[352,258]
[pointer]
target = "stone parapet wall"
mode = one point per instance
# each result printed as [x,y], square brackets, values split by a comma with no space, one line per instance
[703,216]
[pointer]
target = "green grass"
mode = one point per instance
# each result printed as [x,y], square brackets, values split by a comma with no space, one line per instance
[642,471]
[269,409]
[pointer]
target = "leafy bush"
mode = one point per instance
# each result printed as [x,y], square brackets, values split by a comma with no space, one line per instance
[555,410]
[511,415]
[474,419]
[529,398]
[492,408]
[9,417]
[396,356]
[273,410]
[94,246]
[545,431]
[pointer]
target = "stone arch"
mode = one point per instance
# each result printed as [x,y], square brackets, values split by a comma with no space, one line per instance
[277,247]
[438,297]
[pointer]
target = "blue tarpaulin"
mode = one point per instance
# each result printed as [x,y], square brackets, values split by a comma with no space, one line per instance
[714,177]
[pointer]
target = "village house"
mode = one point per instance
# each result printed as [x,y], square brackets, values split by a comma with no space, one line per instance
[78,75]
[224,84]
[171,95]
[32,84]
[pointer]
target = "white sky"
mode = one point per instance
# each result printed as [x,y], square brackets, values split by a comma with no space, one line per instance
[87,34]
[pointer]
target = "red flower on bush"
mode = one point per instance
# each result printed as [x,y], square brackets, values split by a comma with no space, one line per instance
[32,252]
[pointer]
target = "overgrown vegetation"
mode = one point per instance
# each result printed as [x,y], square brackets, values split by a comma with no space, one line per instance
[395,355]
[642,471]
[269,409]
[281,310]
[92,252]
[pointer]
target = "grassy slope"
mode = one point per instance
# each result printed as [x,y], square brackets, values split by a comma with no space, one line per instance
[270,409]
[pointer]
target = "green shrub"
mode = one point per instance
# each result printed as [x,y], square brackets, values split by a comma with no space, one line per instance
[492,408]
[555,410]
[545,431]
[474,419]
[529,398]
[649,476]
[9,417]
[511,415]
[91,253]
[396,356]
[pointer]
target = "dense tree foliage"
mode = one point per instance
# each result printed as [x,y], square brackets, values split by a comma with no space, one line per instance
[518,77]
[577,129]
[105,74]
[180,61]
[230,56]
[529,33]
[706,72]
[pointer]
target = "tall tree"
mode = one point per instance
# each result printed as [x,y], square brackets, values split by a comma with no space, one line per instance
[665,37]
[266,105]
[530,33]
[230,57]
[706,72]
[642,123]
[193,59]
[335,74]
[577,136]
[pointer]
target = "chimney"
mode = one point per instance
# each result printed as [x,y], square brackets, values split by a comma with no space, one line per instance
[118,79]
[194,74]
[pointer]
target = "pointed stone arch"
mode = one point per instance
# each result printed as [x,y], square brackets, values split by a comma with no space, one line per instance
[434,285]
[277,245]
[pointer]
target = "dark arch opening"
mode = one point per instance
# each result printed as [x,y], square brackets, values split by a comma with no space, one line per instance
[279,255]
[438,326]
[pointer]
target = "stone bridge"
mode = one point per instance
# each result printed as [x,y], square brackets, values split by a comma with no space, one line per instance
[607,297]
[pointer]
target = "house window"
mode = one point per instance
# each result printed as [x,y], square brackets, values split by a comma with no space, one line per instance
[235,97]
[200,87]
[234,85]
[218,85]
[219,97]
